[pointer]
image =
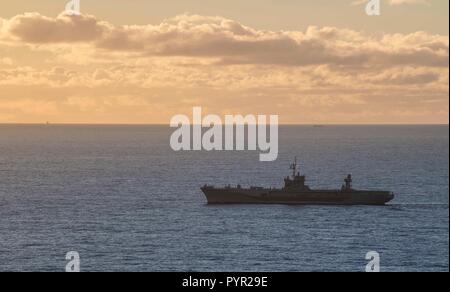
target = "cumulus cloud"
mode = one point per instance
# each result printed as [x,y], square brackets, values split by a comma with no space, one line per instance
[82,69]
[230,42]
[38,29]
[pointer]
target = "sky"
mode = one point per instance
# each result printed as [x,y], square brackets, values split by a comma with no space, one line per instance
[142,62]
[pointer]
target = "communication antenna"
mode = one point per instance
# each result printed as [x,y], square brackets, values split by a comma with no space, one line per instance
[294,167]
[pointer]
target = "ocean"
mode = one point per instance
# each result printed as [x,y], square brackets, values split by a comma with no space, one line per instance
[122,199]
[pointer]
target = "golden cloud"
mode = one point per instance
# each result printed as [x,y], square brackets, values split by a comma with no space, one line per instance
[233,43]
[81,69]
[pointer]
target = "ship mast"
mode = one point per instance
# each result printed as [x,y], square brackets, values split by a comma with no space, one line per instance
[294,168]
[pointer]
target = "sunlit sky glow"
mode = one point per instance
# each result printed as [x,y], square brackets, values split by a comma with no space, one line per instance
[142,61]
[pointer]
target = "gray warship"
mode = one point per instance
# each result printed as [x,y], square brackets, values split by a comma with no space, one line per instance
[296,192]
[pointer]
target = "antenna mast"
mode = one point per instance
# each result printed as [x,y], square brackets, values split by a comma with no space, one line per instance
[294,168]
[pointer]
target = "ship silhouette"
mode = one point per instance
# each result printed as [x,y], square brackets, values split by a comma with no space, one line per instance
[296,192]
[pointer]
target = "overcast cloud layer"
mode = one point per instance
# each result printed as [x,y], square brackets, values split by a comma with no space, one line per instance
[79,67]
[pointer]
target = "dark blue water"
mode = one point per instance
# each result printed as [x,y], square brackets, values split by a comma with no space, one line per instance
[120,197]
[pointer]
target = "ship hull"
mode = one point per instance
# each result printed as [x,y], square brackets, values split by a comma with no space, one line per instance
[318,197]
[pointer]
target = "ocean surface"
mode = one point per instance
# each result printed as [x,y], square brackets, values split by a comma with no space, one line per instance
[121,198]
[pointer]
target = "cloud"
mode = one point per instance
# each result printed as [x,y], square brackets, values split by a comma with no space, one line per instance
[406,76]
[6,61]
[229,42]
[38,29]
[81,69]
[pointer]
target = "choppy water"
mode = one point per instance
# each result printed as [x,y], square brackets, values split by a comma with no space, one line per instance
[120,197]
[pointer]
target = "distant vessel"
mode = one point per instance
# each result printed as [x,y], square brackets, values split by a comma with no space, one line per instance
[296,192]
